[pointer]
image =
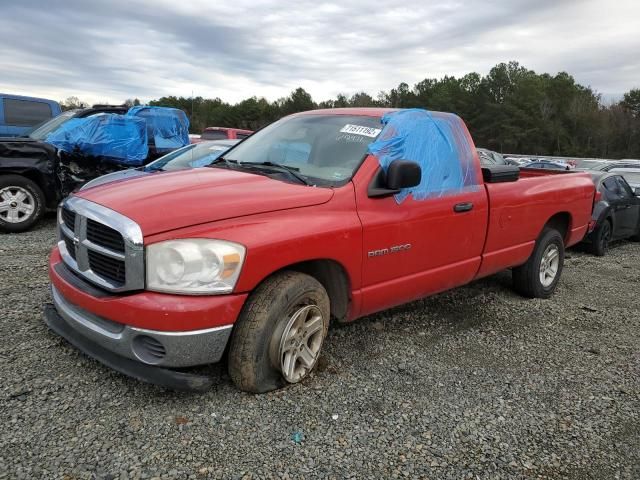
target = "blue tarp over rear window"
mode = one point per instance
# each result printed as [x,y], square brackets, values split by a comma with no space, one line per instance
[167,128]
[438,142]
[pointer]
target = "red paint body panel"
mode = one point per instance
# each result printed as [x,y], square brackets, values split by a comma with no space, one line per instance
[282,223]
[274,240]
[446,248]
[184,198]
[153,311]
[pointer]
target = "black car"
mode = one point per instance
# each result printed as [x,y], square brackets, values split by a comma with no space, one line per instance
[29,171]
[616,212]
[35,175]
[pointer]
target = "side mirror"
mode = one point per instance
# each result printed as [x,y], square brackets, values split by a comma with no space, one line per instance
[637,191]
[403,174]
[400,174]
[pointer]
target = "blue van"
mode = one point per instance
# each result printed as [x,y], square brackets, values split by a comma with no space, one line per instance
[19,114]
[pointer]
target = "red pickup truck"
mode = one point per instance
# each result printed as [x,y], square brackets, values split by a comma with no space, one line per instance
[323,215]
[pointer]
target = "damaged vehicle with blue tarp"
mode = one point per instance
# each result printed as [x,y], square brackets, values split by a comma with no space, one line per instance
[57,157]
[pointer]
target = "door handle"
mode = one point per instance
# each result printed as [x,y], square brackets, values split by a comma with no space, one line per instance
[462,207]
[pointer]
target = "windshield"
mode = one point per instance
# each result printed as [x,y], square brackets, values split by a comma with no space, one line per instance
[191,156]
[325,149]
[41,131]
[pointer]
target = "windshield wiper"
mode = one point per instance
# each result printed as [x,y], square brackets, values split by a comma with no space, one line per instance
[222,159]
[292,171]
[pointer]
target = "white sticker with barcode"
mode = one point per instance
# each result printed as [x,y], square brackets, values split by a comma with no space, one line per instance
[360,130]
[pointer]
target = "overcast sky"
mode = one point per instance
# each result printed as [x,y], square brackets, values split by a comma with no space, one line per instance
[112,50]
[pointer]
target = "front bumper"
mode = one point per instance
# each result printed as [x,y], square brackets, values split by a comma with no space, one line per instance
[147,373]
[152,347]
[143,334]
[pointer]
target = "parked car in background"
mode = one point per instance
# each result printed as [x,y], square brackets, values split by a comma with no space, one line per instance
[547,164]
[19,114]
[632,176]
[191,156]
[621,164]
[518,161]
[608,165]
[616,212]
[195,138]
[222,133]
[489,157]
[57,157]
[29,185]
[314,218]
[589,164]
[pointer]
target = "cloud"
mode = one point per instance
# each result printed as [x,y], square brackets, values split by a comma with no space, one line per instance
[112,50]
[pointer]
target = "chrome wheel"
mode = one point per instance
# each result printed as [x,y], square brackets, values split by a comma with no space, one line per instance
[300,343]
[549,265]
[17,204]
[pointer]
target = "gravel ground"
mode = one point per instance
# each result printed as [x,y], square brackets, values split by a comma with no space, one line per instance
[475,383]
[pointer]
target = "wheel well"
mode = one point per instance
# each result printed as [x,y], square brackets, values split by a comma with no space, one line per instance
[560,222]
[333,278]
[35,177]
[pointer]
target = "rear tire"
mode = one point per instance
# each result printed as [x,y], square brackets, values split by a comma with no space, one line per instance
[539,277]
[279,334]
[22,203]
[601,239]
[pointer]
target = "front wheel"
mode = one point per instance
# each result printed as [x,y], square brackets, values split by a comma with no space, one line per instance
[539,277]
[601,239]
[21,203]
[280,332]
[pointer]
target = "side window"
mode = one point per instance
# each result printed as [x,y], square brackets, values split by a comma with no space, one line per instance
[611,189]
[25,113]
[625,189]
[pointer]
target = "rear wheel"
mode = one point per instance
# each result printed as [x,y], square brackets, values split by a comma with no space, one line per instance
[601,239]
[539,277]
[280,332]
[21,203]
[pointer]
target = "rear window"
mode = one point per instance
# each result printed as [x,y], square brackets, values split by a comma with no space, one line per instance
[214,135]
[25,113]
[241,136]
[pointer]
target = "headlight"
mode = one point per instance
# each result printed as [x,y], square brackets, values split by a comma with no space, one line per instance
[194,266]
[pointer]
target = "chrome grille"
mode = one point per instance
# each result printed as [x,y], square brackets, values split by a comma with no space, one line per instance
[106,236]
[107,267]
[69,219]
[101,245]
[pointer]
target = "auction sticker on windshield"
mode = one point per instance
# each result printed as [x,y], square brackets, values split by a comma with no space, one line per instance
[360,130]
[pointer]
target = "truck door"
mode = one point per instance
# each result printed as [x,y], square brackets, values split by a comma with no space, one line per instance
[418,247]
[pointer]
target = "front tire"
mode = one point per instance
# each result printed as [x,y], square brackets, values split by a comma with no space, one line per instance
[21,203]
[539,277]
[279,334]
[601,239]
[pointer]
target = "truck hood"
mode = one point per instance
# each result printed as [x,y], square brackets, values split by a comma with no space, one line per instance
[174,200]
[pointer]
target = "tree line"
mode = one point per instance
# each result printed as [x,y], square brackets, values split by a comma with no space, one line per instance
[511,109]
